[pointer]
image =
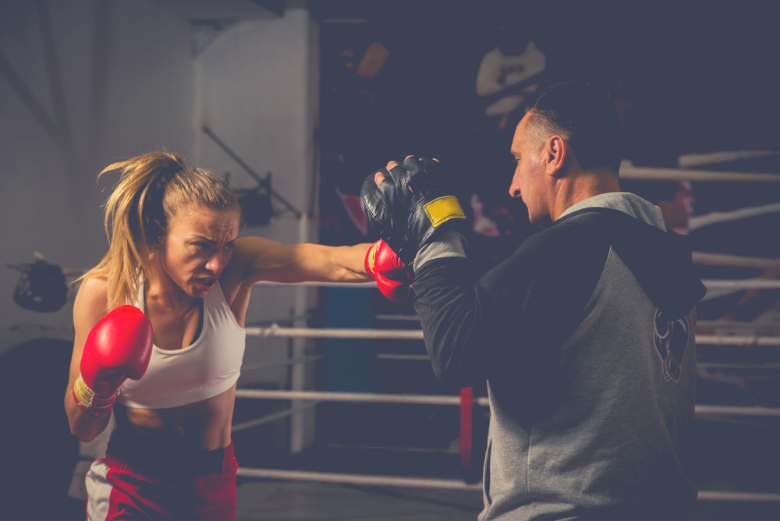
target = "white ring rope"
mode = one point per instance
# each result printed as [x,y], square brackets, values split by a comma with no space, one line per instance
[389,356]
[741,341]
[310,332]
[733,324]
[712,158]
[629,171]
[725,495]
[401,318]
[310,284]
[738,261]
[328,396]
[735,410]
[357,479]
[700,221]
[709,283]
[318,396]
[751,367]
[425,399]
[452,484]
[717,284]
[416,334]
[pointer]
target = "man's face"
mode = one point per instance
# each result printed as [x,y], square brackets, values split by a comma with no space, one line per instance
[677,213]
[529,181]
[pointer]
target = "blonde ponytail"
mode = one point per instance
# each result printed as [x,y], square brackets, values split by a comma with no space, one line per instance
[152,189]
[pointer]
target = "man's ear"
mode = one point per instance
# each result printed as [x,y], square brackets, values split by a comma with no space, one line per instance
[555,151]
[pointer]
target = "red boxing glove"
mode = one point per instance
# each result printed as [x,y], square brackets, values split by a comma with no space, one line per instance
[118,347]
[392,276]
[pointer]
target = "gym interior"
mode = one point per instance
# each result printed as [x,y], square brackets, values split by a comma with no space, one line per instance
[338,414]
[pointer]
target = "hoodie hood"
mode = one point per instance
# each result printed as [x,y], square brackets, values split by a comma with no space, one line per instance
[659,259]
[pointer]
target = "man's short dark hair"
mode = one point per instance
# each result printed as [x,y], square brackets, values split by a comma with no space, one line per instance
[585,117]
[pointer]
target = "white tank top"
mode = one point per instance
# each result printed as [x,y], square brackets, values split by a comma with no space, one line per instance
[208,367]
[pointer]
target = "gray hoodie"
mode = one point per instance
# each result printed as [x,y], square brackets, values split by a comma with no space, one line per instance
[585,336]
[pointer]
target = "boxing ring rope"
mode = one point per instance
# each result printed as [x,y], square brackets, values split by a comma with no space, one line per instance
[723,324]
[416,334]
[313,398]
[712,158]
[739,341]
[401,318]
[629,171]
[702,365]
[738,261]
[709,283]
[723,495]
[390,481]
[310,332]
[426,358]
[700,221]
[741,284]
[426,399]
[735,324]
[452,484]
[751,367]
[731,325]
[331,396]
[735,410]
[358,479]
[390,356]
[310,284]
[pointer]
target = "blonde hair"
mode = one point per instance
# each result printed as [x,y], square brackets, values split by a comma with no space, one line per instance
[153,189]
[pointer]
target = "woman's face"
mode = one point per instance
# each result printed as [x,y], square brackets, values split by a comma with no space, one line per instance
[198,246]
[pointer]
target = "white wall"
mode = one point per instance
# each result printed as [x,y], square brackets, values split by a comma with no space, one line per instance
[255,85]
[46,202]
[258,92]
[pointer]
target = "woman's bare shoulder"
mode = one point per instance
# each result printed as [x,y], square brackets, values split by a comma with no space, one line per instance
[91,300]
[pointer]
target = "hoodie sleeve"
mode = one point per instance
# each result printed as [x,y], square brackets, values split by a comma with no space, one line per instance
[517,314]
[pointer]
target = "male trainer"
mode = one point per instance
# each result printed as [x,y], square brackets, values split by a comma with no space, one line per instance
[585,335]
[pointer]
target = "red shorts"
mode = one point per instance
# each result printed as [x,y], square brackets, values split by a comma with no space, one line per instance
[200,486]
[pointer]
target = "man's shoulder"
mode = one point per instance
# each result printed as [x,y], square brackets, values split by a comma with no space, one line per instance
[572,231]
[595,224]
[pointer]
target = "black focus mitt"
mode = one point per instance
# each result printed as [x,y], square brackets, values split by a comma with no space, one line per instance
[410,205]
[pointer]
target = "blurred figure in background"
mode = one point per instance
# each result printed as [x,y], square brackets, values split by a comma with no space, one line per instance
[674,198]
[509,75]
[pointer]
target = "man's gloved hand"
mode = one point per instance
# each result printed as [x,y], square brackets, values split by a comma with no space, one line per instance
[410,205]
[391,274]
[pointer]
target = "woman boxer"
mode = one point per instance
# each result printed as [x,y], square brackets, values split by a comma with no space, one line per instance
[172,367]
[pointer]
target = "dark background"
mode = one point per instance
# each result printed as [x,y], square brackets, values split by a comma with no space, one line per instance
[703,74]
[697,77]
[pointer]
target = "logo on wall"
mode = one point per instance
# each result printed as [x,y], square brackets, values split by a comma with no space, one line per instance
[671,340]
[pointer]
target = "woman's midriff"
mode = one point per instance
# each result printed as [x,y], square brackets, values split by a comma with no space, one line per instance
[203,425]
